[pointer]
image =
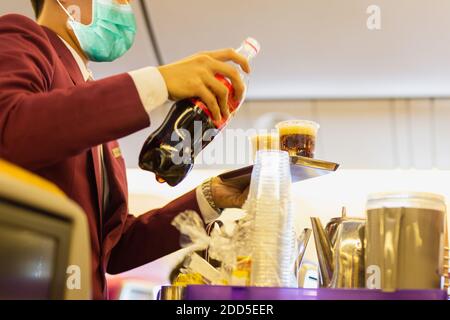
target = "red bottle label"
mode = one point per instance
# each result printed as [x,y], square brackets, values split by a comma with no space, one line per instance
[233,104]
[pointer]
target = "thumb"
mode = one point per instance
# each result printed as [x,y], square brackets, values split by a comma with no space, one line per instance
[242,198]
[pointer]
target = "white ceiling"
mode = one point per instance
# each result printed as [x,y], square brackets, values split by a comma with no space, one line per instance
[319,48]
[310,48]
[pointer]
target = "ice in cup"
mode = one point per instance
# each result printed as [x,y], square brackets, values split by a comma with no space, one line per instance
[268,141]
[298,137]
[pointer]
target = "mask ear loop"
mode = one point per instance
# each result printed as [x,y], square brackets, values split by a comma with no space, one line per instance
[66,11]
[70,17]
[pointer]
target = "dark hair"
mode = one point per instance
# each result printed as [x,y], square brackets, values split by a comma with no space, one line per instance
[37,7]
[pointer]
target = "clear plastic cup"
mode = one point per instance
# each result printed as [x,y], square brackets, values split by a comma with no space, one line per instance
[268,141]
[271,174]
[298,137]
[272,239]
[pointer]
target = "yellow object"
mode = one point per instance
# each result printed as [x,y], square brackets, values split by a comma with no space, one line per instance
[116,153]
[184,280]
[18,173]
[241,274]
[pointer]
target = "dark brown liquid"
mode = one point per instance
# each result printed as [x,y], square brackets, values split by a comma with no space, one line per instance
[159,149]
[298,144]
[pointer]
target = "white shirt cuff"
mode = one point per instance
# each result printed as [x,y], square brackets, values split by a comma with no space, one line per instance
[151,87]
[208,213]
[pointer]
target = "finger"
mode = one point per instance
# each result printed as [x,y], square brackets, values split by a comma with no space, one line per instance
[221,93]
[211,102]
[242,182]
[231,73]
[230,55]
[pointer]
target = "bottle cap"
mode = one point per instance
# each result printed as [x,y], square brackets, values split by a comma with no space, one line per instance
[253,44]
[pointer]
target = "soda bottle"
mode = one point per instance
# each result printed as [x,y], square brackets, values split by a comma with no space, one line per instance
[189,127]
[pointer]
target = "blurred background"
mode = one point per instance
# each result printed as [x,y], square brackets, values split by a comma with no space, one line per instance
[381,95]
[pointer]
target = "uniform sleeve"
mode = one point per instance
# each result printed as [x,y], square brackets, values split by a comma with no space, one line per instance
[149,236]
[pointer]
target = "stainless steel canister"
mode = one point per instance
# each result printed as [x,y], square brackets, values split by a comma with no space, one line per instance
[405,241]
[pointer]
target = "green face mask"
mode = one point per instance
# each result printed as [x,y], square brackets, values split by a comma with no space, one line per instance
[111,33]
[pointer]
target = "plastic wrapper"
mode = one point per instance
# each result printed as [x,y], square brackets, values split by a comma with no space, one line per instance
[193,235]
[192,230]
[219,245]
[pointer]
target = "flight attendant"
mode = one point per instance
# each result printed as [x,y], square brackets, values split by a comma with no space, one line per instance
[59,123]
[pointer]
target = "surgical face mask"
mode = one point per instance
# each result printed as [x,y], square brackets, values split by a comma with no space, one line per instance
[111,33]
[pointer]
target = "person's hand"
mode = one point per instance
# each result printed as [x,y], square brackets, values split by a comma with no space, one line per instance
[230,193]
[195,77]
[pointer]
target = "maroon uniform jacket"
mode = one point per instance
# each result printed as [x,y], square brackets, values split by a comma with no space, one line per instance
[51,123]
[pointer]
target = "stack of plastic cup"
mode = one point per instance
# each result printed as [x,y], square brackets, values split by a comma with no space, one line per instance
[273,239]
[268,141]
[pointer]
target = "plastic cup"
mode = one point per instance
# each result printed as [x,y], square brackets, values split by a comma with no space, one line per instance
[271,174]
[298,137]
[272,245]
[269,141]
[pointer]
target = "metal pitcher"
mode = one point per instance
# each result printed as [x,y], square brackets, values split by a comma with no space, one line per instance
[340,251]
